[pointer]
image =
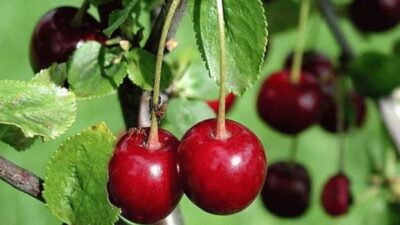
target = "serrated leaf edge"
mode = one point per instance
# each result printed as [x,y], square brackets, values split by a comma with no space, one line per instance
[66,124]
[204,58]
[59,151]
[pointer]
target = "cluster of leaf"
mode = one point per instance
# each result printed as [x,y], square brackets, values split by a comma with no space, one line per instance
[75,186]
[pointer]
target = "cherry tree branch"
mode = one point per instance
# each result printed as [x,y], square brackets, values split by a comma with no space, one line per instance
[21,179]
[385,105]
[130,99]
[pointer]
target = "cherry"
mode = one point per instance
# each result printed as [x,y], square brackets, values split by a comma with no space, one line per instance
[144,183]
[354,112]
[286,192]
[55,38]
[287,107]
[375,15]
[315,63]
[221,176]
[336,197]
[229,100]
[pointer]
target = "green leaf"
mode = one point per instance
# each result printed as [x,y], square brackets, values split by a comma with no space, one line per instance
[246,39]
[184,113]
[95,71]
[75,186]
[141,69]
[57,74]
[118,17]
[13,136]
[372,80]
[195,83]
[43,110]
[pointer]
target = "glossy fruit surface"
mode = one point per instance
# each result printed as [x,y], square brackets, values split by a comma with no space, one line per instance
[355,110]
[144,183]
[221,176]
[316,64]
[54,38]
[287,107]
[336,196]
[286,192]
[229,101]
[375,15]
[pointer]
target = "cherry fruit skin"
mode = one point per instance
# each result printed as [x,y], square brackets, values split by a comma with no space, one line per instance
[375,15]
[144,182]
[229,101]
[336,196]
[287,107]
[316,64]
[354,104]
[54,38]
[221,176]
[286,192]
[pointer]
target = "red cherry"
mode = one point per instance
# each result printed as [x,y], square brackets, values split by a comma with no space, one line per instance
[336,196]
[221,176]
[286,192]
[316,64]
[354,112]
[287,107]
[54,39]
[144,183]
[375,15]
[229,100]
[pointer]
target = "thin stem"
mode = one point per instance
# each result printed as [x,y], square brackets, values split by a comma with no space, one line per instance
[340,123]
[21,179]
[301,36]
[294,146]
[221,130]
[152,142]
[78,17]
[331,18]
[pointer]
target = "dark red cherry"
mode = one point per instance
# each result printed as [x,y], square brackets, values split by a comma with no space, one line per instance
[144,182]
[229,100]
[375,15]
[54,38]
[315,63]
[336,196]
[287,107]
[221,176]
[286,192]
[355,110]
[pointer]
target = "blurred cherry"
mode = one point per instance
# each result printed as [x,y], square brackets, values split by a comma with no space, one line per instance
[286,192]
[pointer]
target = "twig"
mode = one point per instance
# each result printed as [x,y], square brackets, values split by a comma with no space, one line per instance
[21,179]
[385,104]
[152,43]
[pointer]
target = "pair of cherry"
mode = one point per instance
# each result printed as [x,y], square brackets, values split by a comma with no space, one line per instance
[221,176]
[293,107]
[287,191]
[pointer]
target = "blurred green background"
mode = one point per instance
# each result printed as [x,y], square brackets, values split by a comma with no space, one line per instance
[317,149]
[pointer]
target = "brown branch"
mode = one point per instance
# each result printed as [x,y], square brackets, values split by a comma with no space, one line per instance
[21,179]
[386,105]
[130,97]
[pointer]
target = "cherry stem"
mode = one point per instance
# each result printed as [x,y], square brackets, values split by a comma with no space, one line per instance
[294,146]
[78,17]
[221,129]
[152,142]
[301,36]
[340,122]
